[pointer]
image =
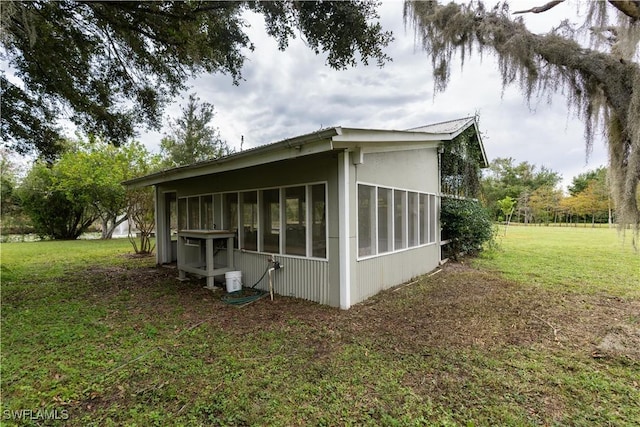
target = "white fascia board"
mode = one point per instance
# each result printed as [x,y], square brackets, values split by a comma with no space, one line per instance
[479,136]
[348,136]
[386,141]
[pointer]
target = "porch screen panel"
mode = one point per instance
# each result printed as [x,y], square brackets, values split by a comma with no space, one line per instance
[318,207]
[193,206]
[399,219]
[207,212]
[270,215]
[182,214]
[230,215]
[413,219]
[217,212]
[366,220]
[433,218]
[424,219]
[385,220]
[173,214]
[250,220]
[295,221]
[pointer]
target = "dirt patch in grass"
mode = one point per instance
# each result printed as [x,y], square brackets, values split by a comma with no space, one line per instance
[463,307]
[459,307]
[621,340]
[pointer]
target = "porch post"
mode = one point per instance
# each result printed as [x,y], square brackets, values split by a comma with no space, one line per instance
[159,217]
[344,230]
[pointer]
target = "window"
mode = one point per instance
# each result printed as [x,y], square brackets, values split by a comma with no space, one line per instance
[366,220]
[399,219]
[193,207]
[413,224]
[173,217]
[217,212]
[385,220]
[195,213]
[394,219]
[286,220]
[318,215]
[270,214]
[295,221]
[250,220]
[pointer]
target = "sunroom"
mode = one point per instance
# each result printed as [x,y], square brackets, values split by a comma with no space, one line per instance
[346,212]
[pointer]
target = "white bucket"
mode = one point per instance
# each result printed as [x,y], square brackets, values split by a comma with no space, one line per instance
[234,280]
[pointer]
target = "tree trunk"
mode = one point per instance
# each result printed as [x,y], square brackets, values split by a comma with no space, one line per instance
[105,229]
[110,224]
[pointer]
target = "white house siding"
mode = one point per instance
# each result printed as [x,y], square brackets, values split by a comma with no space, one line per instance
[415,170]
[386,271]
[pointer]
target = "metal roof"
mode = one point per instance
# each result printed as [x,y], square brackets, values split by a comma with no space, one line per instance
[450,126]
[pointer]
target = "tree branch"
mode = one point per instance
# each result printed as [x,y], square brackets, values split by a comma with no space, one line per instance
[541,9]
[631,8]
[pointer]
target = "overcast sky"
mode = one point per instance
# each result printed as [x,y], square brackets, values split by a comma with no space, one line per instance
[290,93]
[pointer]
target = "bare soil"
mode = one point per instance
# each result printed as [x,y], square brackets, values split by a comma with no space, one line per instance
[457,307]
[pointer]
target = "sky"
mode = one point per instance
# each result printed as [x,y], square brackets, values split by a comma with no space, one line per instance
[286,94]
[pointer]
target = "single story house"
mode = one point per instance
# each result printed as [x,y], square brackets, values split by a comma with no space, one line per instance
[347,212]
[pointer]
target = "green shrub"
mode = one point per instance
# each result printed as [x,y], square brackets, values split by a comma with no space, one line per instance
[466,224]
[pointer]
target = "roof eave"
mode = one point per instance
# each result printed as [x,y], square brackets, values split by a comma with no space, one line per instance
[282,150]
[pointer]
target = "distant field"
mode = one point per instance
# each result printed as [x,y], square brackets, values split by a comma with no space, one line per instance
[543,331]
[579,259]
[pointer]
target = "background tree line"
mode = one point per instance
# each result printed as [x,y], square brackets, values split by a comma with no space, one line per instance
[525,193]
[82,187]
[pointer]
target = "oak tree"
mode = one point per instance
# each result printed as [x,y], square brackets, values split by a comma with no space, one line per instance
[110,67]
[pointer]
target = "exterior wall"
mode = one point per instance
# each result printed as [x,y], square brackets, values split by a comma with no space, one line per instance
[386,271]
[301,277]
[289,172]
[410,170]
[415,170]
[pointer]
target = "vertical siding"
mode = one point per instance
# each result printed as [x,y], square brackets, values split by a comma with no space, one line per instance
[299,277]
[386,271]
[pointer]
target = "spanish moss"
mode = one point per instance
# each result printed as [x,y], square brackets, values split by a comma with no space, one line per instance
[601,83]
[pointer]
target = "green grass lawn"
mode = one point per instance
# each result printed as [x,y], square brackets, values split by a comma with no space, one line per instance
[579,259]
[528,336]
